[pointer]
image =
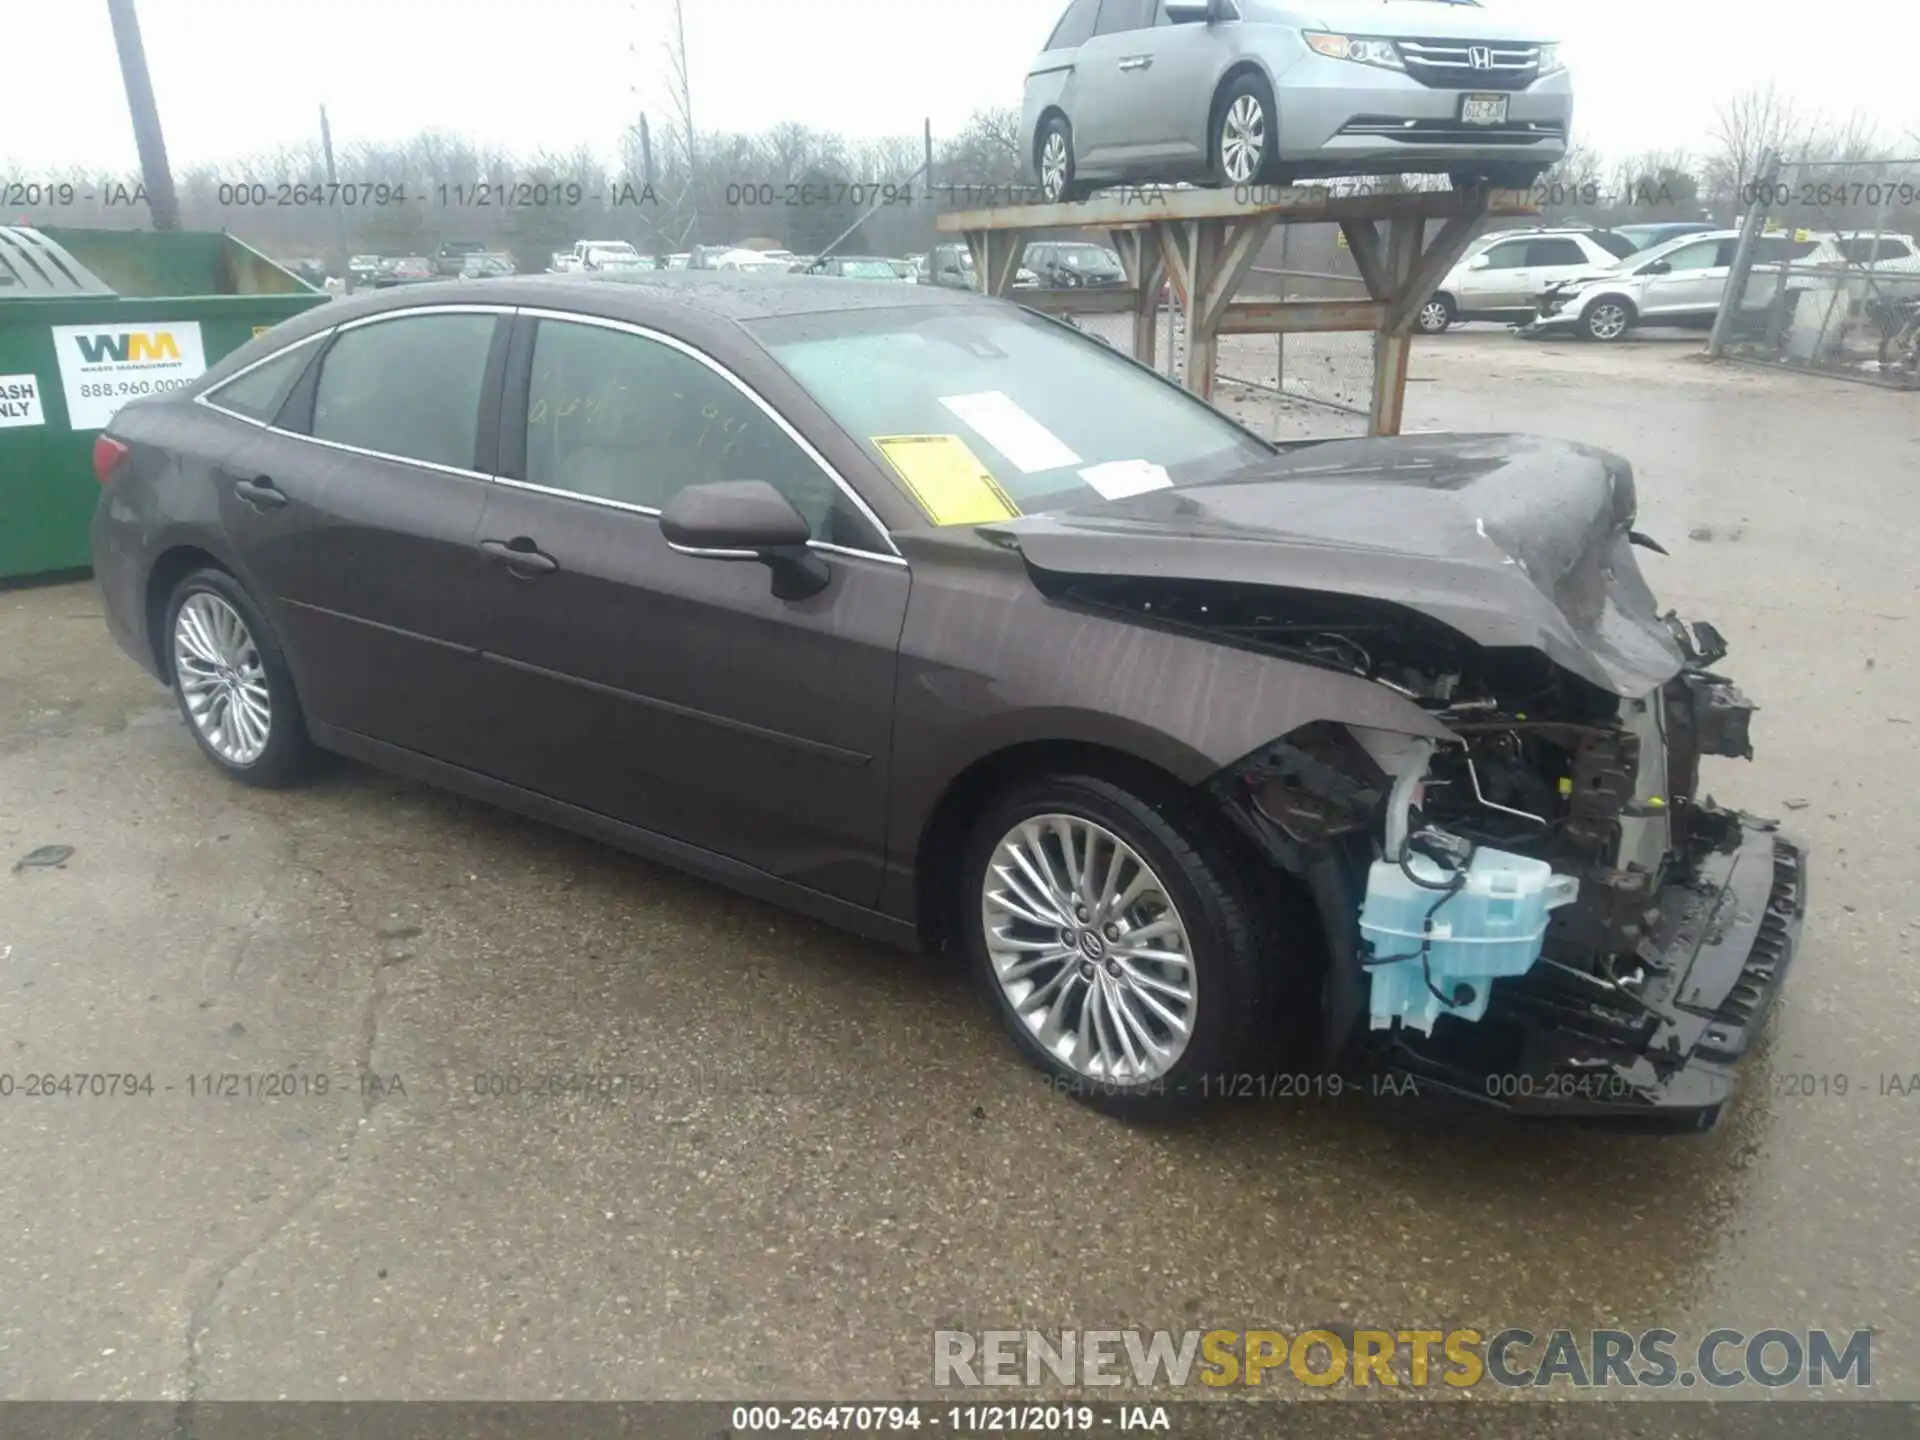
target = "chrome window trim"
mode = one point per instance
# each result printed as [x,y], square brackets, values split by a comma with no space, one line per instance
[890,556]
[700,356]
[205,397]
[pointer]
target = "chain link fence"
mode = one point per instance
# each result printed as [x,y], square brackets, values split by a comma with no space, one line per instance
[1823,279]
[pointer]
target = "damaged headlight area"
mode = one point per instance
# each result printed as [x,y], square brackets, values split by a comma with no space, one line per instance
[1540,910]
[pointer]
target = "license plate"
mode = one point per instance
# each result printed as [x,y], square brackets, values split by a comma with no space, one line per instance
[1483,110]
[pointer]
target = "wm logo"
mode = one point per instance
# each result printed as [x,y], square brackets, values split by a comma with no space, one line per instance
[157,345]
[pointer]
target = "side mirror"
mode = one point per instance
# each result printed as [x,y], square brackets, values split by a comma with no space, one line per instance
[1189,12]
[1658,267]
[746,520]
[1480,262]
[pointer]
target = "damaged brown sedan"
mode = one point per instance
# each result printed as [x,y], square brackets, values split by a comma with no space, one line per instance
[936,619]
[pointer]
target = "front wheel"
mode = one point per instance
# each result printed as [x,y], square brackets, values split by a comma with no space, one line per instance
[1120,943]
[1606,320]
[231,679]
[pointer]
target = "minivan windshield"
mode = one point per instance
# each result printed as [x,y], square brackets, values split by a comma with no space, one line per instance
[938,395]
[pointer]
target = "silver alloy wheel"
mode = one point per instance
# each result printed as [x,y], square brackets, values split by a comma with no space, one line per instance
[1434,317]
[1053,166]
[1243,139]
[1608,320]
[218,669]
[1088,949]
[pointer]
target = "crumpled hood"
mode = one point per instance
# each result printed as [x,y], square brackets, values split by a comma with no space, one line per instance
[1514,541]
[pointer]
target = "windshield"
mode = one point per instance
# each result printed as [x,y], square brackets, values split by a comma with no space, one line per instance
[1084,257]
[943,397]
[867,270]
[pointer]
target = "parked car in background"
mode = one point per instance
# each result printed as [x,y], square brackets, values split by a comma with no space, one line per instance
[744,260]
[1645,237]
[1241,92]
[854,267]
[1678,283]
[362,269]
[1503,275]
[451,255]
[952,266]
[403,270]
[483,267]
[905,270]
[678,262]
[1877,250]
[1068,264]
[986,639]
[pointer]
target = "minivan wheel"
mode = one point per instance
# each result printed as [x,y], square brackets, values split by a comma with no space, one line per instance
[1245,135]
[1606,320]
[231,680]
[1054,153]
[1436,315]
[1119,944]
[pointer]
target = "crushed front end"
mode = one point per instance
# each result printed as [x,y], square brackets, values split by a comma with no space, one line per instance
[1653,975]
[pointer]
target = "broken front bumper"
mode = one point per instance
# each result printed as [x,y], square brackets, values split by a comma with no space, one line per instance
[1665,1052]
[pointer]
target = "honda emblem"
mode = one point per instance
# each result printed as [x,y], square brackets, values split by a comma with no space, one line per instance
[1480,56]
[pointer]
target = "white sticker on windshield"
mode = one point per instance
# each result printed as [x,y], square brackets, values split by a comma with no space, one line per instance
[1118,479]
[1027,443]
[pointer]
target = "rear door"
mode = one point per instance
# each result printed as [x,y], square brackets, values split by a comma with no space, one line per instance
[1551,259]
[669,691]
[356,513]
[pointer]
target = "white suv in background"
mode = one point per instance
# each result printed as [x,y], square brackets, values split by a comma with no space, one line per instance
[1504,274]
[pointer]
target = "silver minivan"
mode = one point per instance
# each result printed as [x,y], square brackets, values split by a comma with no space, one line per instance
[1241,92]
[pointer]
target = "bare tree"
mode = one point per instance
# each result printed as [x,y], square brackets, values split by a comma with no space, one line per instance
[1748,126]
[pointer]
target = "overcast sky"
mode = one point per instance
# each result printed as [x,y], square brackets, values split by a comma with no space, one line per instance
[235,77]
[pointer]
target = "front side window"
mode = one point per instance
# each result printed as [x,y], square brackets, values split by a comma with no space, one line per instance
[408,387]
[991,406]
[617,416]
[261,392]
[1703,255]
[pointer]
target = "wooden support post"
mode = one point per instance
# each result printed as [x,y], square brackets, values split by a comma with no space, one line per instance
[996,258]
[1207,260]
[1146,270]
[1393,348]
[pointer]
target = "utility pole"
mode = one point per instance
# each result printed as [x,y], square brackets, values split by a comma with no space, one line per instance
[162,204]
[340,245]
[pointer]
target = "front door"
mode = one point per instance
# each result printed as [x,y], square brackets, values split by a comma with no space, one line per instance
[1502,282]
[1694,280]
[669,691]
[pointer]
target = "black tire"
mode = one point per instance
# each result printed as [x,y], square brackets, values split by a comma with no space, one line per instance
[1266,170]
[1597,321]
[1239,979]
[288,756]
[1437,315]
[1069,190]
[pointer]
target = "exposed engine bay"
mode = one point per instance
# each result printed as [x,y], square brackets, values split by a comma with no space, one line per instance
[1547,766]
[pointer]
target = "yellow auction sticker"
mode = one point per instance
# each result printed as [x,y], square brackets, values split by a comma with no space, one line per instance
[946,479]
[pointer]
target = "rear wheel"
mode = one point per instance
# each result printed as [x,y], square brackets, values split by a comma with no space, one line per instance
[1436,315]
[231,680]
[1120,942]
[1245,133]
[1054,159]
[1606,319]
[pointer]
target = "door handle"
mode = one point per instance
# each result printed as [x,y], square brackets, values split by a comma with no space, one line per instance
[521,556]
[1136,62]
[261,494]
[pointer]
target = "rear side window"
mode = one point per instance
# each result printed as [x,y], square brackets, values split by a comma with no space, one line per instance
[261,391]
[1865,250]
[1119,15]
[1075,26]
[1555,252]
[409,387]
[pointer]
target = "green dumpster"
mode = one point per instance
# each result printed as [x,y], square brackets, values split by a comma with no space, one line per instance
[88,320]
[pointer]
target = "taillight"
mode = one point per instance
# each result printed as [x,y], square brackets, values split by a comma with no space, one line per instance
[107,455]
